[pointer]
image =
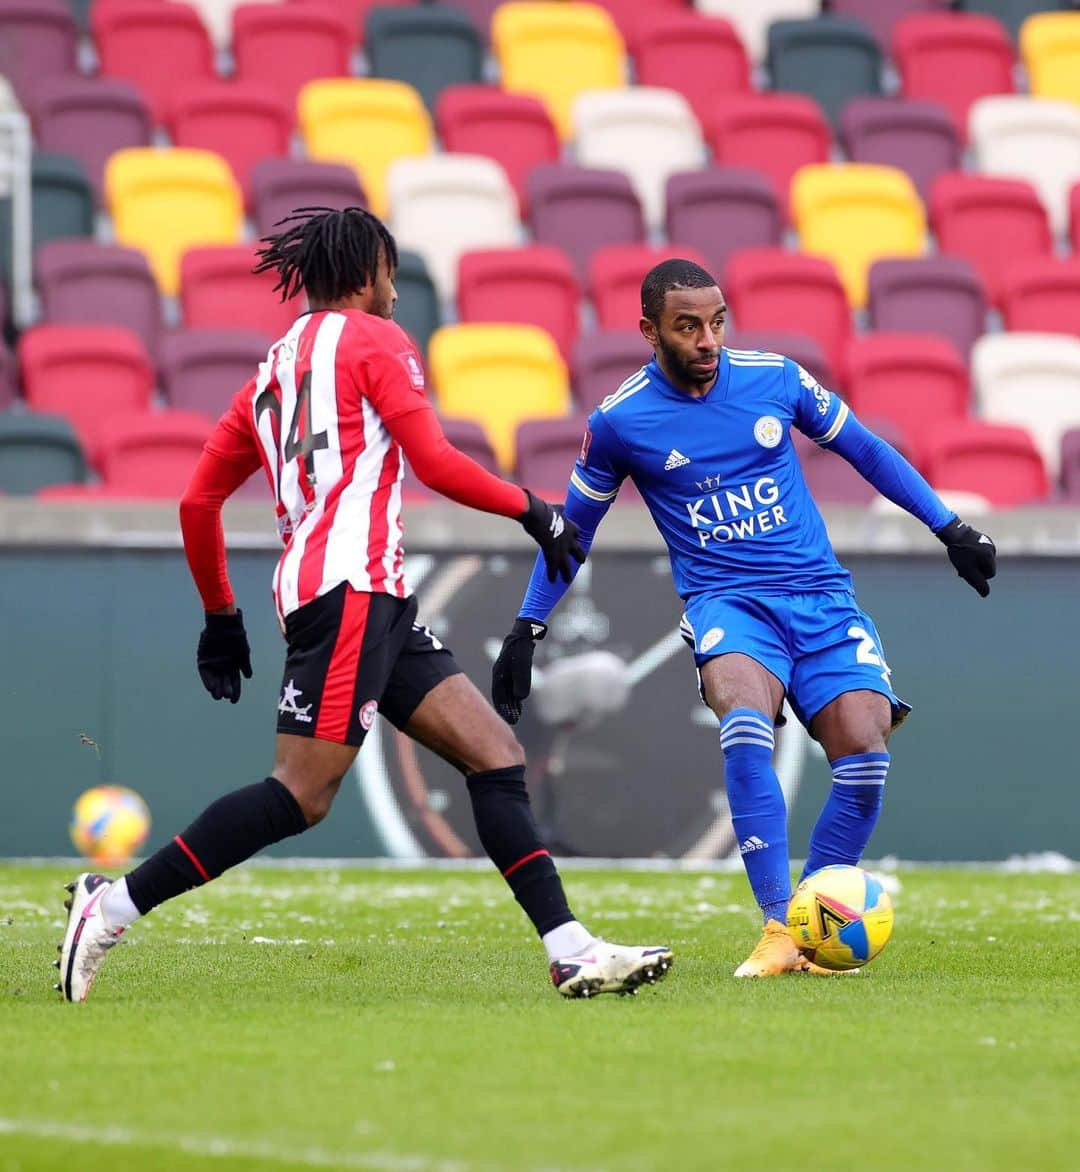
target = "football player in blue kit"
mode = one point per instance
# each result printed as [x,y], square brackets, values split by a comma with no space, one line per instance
[704,433]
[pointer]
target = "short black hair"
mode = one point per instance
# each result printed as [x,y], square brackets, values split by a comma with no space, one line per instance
[677,273]
[328,253]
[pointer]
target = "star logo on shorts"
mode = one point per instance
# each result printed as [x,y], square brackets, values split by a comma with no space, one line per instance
[288,706]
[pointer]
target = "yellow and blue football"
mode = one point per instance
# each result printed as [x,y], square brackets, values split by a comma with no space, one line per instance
[840,917]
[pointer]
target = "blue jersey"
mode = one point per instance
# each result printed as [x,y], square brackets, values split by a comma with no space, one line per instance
[720,474]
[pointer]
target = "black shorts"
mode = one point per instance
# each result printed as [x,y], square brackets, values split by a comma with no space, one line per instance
[352,654]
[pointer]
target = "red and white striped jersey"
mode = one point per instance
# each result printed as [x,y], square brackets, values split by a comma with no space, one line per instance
[317,410]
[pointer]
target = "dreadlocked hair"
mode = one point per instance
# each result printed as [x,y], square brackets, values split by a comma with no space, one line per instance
[329,254]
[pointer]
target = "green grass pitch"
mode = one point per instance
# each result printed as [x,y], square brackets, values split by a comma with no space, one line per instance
[402,1021]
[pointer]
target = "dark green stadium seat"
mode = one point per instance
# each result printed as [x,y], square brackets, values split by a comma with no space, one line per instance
[1012,13]
[62,200]
[431,46]
[80,10]
[831,58]
[37,451]
[417,309]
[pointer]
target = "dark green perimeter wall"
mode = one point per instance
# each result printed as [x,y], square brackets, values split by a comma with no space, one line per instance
[100,644]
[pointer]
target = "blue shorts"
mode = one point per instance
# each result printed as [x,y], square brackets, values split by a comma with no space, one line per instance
[818,645]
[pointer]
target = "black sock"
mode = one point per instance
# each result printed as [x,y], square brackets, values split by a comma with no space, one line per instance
[508,833]
[227,832]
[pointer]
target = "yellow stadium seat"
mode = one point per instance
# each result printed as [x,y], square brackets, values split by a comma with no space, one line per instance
[1050,47]
[556,50]
[367,123]
[499,376]
[167,201]
[854,214]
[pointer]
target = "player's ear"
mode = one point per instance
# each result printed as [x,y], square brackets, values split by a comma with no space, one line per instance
[649,331]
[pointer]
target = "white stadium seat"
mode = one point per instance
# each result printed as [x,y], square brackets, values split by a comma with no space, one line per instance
[1030,138]
[1030,380]
[752,18]
[646,132]
[444,205]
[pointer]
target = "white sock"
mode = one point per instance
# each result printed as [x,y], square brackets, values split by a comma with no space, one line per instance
[566,940]
[116,906]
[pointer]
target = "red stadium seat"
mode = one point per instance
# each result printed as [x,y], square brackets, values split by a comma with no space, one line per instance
[953,58]
[285,46]
[700,56]
[151,455]
[880,16]
[513,129]
[244,122]
[615,275]
[218,288]
[772,133]
[1043,295]
[201,370]
[535,284]
[158,47]
[546,451]
[999,462]
[990,221]
[769,289]
[91,374]
[912,380]
[630,15]
[603,361]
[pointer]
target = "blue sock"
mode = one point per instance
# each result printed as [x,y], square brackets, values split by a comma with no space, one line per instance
[851,811]
[757,806]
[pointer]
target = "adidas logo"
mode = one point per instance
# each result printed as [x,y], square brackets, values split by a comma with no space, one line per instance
[675,460]
[753,843]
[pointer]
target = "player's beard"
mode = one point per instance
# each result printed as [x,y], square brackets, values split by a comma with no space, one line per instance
[681,370]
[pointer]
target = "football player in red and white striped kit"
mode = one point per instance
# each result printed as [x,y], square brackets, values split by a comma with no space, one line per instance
[331,415]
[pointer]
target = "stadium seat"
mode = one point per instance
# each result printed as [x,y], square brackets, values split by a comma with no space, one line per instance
[1031,380]
[603,361]
[718,210]
[953,58]
[630,15]
[513,129]
[800,348]
[615,275]
[579,209]
[90,374]
[468,437]
[829,477]
[1033,137]
[912,380]
[244,122]
[151,455]
[62,204]
[854,214]
[356,11]
[279,186]
[918,137]
[752,18]
[1043,294]
[1070,466]
[431,47]
[37,41]
[880,16]
[218,288]
[928,294]
[1013,13]
[770,289]
[991,222]
[446,205]
[700,57]
[157,47]
[37,451]
[82,282]
[546,452]
[772,133]
[88,119]
[498,375]
[650,134]
[998,462]
[1050,46]
[555,50]
[830,58]
[167,201]
[535,285]
[367,123]
[201,370]
[417,311]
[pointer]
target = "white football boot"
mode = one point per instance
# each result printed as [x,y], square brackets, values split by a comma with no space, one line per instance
[610,968]
[87,939]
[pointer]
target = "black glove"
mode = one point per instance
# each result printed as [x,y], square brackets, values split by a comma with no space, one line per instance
[223,655]
[511,677]
[556,535]
[971,552]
